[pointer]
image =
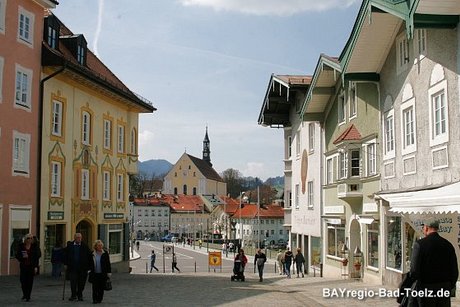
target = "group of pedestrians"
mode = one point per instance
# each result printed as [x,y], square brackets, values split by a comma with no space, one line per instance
[286,259]
[78,260]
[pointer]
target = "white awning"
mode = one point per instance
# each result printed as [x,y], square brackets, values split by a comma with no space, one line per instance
[441,200]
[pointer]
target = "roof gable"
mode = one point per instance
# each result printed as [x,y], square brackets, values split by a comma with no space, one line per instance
[350,134]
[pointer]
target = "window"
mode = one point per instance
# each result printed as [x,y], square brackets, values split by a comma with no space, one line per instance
[402,53]
[371,159]
[297,143]
[296,195]
[373,244]
[23,87]
[21,154]
[420,43]
[81,54]
[134,142]
[352,99]
[56,176]
[341,109]
[289,146]
[86,128]
[56,128]
[19,227]
[106,185]
[2,17]
[25,26]
[355,162]
[343,164]
[438,117]
[329,170]
[289,199]
[146,212]
[335,239]
[389,135]
[310,195]
[52,31]
[184,189]
[115,236]
[120,187]
[85,184]
[121,139]
[107,134]
[311,137]
[394,252]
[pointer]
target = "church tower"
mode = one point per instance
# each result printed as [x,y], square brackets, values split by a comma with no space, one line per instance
[206,148]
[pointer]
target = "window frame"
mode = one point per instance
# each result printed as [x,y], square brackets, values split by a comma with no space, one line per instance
[298,144]
[86,124]
[121,139]
[107,134]
[25,35]
[420,43]
[353,98]
[341,109]
[402,53]
[311,137]
[56,179]
[435,91]
[120,188]
[352,159]
[371,158]
[23,88]
[106,185]
[134,142]
[21,156]
[406,107]
[389,131]
[337,246]
[297,196]
[2,17]
[85,184]
[57,118]
[370,232]
[310,195]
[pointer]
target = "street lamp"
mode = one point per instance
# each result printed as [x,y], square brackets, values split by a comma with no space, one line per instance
[241,225]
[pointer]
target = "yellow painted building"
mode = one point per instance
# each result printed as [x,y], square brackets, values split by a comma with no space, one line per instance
[89,147]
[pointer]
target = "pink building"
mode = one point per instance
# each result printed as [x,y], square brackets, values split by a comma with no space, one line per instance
[21,35]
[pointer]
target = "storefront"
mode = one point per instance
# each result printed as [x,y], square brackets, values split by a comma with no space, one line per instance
[404,214]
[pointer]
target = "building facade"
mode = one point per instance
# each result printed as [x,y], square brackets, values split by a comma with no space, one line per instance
[89,146]
[150,218]
[21,30]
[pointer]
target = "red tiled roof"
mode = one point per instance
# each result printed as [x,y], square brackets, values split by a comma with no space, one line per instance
[350,134]
[205,168]
[295,79]
[181,202]
[267,211]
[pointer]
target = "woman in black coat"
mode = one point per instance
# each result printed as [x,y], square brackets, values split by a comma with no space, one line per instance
[28,254]
[100,271]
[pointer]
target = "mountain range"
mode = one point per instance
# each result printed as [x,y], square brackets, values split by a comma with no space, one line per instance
[155,168]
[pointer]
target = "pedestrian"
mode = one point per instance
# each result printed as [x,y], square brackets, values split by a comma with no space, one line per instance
[153,257]
[259,260]
[174,263]
[28,256]
[57,259]
[200,243]
[433,266]
[77,263]
[224,247]
[280,260]
[288,262]
[100,270]
[137,245]
[299,262]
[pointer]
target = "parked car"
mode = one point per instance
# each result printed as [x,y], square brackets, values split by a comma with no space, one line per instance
[167,238]
[174,239]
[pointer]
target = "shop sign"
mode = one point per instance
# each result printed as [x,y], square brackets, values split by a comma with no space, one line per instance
[55,215]
[113,216]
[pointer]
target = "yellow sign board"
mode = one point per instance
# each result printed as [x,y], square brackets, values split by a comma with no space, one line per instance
[215,259]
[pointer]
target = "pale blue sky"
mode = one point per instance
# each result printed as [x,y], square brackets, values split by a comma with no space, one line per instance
[208,62]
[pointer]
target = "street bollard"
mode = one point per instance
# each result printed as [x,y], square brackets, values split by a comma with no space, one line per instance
[146,267]
[195,266]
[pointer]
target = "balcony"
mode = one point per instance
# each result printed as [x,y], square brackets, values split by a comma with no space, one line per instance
[287,217]
[349,190]
[288,166]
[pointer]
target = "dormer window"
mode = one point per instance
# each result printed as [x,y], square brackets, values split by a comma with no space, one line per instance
[81,55]
[77,44]
[51,32]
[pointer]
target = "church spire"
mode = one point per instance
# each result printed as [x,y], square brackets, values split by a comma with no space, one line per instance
[206,148]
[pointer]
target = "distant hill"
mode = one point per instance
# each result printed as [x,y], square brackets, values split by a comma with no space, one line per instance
[275,181]
[155,167]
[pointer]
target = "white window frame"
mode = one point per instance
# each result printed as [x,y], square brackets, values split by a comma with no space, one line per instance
[352,97]
[402,53]
[388,135]
[408,127]
[297,144]
[371,158]
[351,159]
[2,17]
[329,170]
[57,118]
[420,43]
[107,134]
[343,164]
[85,184]
[23,88]
[341,109]
[297,196]
[25,27]
[56,175]
[107,183]
[86,128]
[121,139]
[21,154]
[133,141]
[289,147]
[443,136]
[311,137]
[310,191]
[120,187]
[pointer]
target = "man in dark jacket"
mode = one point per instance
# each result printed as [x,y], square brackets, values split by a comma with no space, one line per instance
[259,260]
[434,266]
[77,260]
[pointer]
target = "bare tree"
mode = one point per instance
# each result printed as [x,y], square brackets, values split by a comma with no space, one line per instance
[234,181]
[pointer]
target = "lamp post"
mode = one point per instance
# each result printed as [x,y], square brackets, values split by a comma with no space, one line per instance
[241,225]
[258,218]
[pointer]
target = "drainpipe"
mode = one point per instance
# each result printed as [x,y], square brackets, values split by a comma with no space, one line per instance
[39,164]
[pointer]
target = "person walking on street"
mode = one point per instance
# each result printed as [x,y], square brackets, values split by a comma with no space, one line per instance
[138,244]
[28,255]
[77,262]
[288,262]
[57,258]
[299,262]
[280,260]
[174,263]
[153,257]
[434,266]
[259,260]
[100,271]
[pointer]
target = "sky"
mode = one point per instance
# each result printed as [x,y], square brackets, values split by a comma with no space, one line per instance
[207,63]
